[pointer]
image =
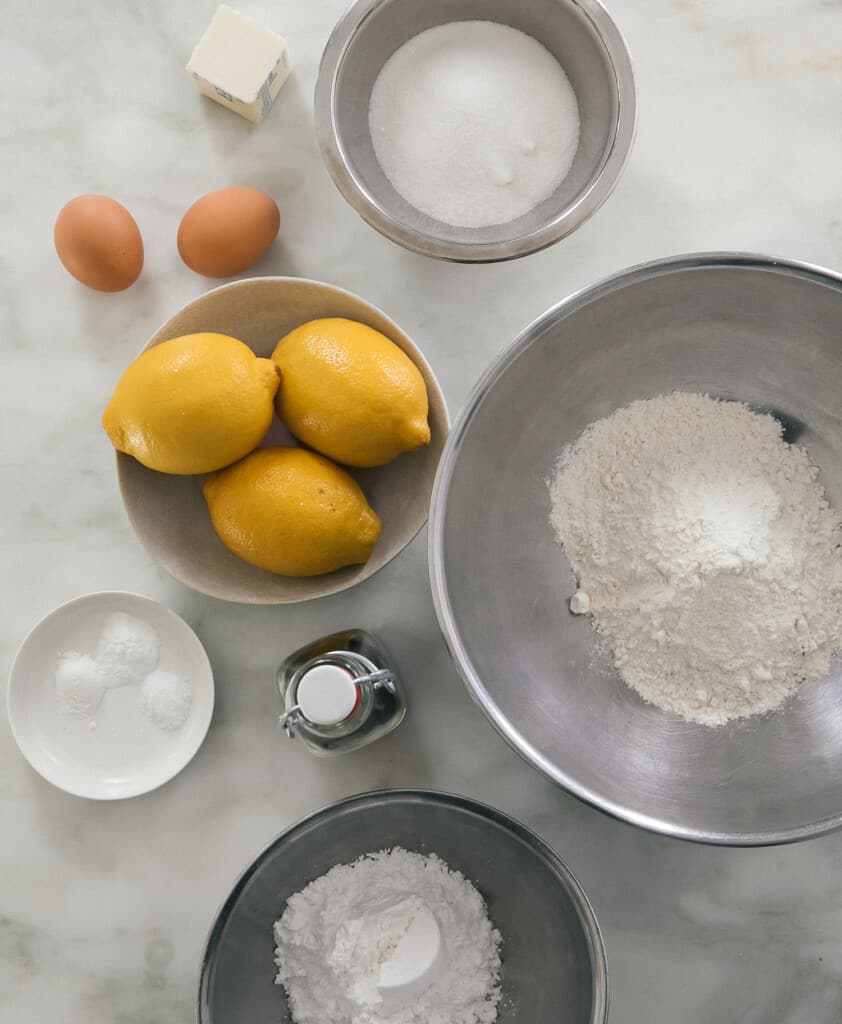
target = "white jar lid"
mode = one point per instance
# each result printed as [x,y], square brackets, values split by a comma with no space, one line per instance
[326,694]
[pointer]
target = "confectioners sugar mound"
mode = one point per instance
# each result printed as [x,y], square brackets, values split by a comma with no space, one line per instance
[708,550]
[330,980]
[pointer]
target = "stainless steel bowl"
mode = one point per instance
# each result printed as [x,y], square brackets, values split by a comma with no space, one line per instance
[767,332]
[588,45]
[553,958]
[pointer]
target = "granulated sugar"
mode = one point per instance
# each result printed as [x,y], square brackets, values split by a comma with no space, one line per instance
[474,123]
[126,654]
[708,552]
[80,685]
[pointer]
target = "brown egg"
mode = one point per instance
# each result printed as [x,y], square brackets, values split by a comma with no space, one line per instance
[226,232]
[99,243]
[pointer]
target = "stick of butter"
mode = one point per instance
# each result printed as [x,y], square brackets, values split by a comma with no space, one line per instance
[240,64]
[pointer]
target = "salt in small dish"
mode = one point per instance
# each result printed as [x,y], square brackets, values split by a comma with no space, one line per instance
[117,751]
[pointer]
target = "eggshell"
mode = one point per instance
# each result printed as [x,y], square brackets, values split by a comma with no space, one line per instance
[226,232]
[99,243]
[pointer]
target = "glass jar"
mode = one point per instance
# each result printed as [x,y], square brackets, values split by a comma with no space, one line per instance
[339,693]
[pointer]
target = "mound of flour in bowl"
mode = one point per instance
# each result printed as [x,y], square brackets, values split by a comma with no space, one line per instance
[335,934]
[709,553]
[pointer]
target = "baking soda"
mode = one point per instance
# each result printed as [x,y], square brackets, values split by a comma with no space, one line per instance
[80,684]
[126,654]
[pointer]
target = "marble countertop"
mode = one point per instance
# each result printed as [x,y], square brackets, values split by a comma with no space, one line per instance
[104,908]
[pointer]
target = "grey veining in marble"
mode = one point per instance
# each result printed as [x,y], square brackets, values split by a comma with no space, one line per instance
[104,908]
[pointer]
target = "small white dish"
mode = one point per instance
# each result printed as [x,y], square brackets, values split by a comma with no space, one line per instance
[117,752]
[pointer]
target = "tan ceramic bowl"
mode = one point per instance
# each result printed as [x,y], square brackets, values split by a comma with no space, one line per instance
[169,514]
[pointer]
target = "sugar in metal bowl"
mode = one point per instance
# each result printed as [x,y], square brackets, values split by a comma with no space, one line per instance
[765,332]
[581,36]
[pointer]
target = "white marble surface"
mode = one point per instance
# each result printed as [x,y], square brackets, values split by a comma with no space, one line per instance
[104,908]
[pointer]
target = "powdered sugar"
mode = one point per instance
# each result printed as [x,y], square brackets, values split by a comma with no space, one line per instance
[709,552]
[334,935]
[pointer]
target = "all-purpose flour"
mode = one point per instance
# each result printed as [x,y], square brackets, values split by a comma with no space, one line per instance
[710,556]
[336,933]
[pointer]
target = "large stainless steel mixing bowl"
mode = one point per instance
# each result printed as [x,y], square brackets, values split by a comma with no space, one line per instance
[767,332]
[553,959]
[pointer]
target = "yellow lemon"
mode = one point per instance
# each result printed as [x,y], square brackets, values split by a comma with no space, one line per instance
[350,393]
[192,404]
[292,512]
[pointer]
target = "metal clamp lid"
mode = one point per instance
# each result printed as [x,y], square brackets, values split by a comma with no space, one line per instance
[379,679]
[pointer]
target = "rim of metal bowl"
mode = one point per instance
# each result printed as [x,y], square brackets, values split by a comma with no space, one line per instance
[361,199]
[587,917]
[470,677]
